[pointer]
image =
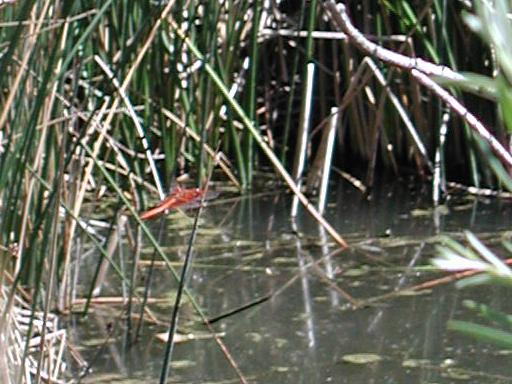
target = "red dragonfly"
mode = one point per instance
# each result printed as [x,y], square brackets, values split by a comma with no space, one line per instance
[177,198]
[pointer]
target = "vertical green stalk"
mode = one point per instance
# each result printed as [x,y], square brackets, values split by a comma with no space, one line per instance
[285,145]
[251,93]
[311,26]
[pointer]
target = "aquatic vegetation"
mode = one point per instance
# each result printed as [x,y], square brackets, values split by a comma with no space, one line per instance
[480,266]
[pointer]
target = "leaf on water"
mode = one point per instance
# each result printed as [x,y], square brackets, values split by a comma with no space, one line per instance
[402,241]
[448,363]
[284,260]
[185,337]
[254,256]
[441,209]
[415,363]
[361,358]
[177,364]
[355,272]
[354,284]
[457,374]
[463,207]
[370,248]
[254,337]
[105,378]
[282,369]
[412,292]
[95,342]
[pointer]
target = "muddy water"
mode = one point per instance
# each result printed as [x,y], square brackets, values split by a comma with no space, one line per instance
[325,316]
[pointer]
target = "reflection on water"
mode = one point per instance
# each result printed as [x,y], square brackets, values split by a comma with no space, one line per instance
[248,249]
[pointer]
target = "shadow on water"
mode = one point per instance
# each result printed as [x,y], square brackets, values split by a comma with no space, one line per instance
[308,331]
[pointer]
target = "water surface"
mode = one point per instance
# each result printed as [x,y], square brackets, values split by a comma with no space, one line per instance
[308,330]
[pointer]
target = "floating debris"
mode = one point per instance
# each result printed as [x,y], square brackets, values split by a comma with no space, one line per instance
[185,337]
[361,358]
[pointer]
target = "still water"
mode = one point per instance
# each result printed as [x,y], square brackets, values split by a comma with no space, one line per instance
[322,310]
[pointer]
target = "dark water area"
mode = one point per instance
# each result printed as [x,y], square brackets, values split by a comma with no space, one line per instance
[308,330]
